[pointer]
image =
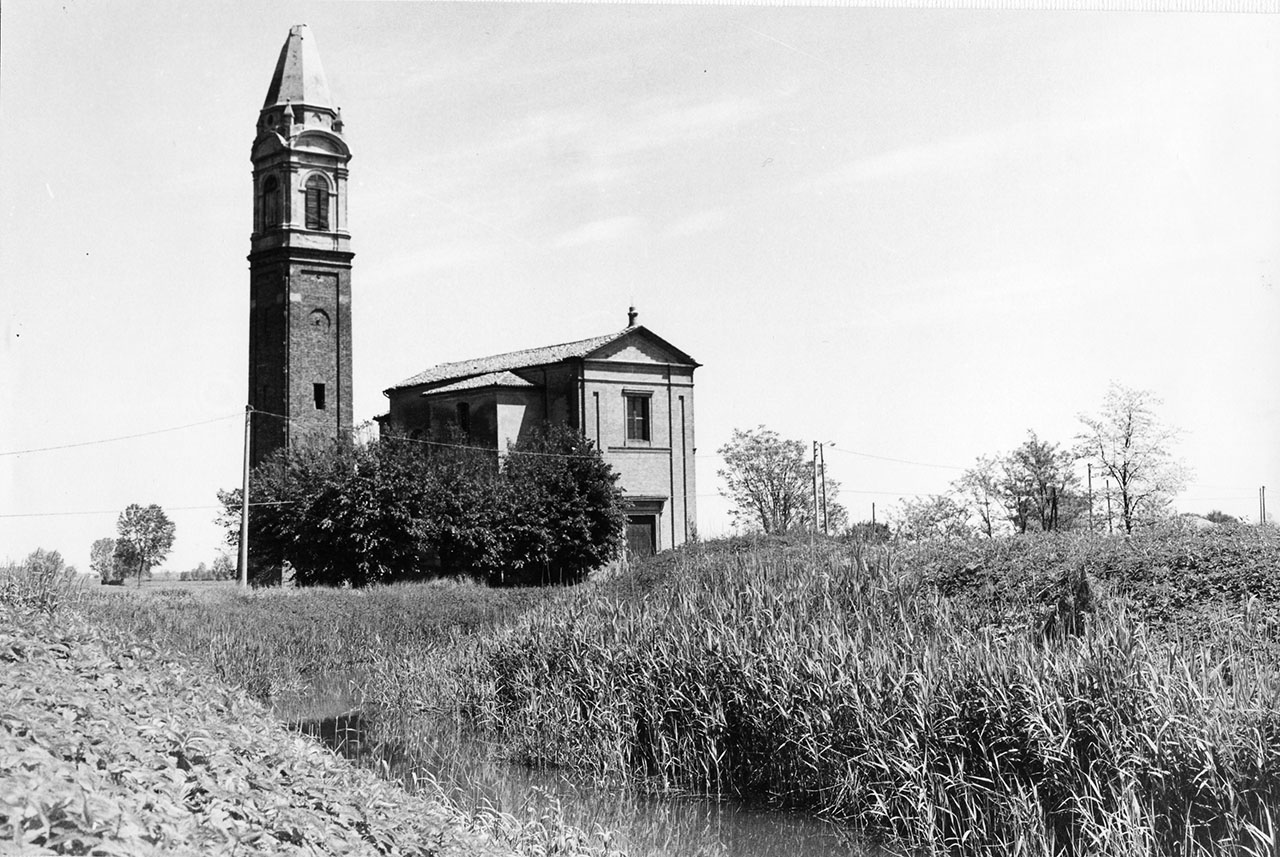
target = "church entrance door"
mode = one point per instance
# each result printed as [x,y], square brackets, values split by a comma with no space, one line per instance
[642,535]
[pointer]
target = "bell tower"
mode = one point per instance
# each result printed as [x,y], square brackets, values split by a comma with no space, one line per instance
[299,259]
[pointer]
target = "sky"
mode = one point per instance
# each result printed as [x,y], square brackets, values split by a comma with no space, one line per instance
[911,234]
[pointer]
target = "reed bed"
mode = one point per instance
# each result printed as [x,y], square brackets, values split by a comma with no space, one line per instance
[278,644]
[839,682]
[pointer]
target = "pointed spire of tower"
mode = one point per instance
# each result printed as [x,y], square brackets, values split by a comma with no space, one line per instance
[299,77]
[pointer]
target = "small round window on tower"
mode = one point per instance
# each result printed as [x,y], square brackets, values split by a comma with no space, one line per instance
[319,320]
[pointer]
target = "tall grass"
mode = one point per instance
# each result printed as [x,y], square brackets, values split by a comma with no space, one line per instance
[839,682]
[279,643]
[45,589]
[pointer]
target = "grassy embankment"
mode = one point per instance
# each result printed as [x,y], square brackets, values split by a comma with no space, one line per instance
[278,644]
[117,736]
[1029,696]
[1024,696]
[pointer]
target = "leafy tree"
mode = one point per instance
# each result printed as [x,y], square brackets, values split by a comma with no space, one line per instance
[460,522]
[932,517]
[145,538]
[564,507]
[45,563]
[770,482]
[1132,447]
[339,513]
[224,567]
[981,489]
[1218,516]
[102,561]
[1040,487]
[335,512]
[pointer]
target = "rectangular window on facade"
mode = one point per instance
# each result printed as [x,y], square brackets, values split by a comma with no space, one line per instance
[318,391]
[637,417]
[464,417]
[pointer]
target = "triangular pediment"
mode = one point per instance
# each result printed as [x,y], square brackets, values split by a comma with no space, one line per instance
[640,345]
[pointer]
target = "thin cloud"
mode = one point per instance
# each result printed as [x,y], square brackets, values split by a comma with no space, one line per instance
[604,231]
[963,152]
[959,152]
[697,223]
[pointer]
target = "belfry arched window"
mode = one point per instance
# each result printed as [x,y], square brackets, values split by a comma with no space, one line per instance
[270,202]
[317,203]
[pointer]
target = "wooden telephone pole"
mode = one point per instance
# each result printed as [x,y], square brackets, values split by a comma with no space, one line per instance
[244,503]
[1089,470]
[822,464]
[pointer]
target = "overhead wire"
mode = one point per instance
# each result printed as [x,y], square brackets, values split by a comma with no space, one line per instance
[460,446]
[118,438]
[117,511]
[895,460]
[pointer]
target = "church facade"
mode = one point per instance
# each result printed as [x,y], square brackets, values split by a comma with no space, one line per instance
[299,260]
[629,391]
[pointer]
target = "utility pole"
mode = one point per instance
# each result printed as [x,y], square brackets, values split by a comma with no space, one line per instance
[822,457]
[1089,471]
[1108,484]
[815,487]
[244,503]
[873,516]
[1262,505]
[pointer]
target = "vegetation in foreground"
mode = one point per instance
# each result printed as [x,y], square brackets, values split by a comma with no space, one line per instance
[852,682]
[108,746]
[1049,695]
[276,643]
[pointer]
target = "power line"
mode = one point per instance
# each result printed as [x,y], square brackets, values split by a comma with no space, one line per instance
[493,449]
[115,439]
[897,460]
[117,511]
[444,445]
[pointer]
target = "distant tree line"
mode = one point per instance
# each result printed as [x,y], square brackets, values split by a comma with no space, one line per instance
[341,513]
[223,568]
[1038,486]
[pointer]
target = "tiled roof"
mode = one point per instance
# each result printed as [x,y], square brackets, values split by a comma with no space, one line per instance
[464,369]
[493,379]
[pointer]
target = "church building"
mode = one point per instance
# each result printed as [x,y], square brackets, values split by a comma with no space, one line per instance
[630,391]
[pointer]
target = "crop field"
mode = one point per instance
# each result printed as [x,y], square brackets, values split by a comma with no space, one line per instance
[1057,695]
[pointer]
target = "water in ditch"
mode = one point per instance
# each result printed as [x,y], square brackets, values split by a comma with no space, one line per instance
[474,774]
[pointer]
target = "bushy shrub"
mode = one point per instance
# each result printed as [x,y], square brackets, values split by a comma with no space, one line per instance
[563,510]
[342,514]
